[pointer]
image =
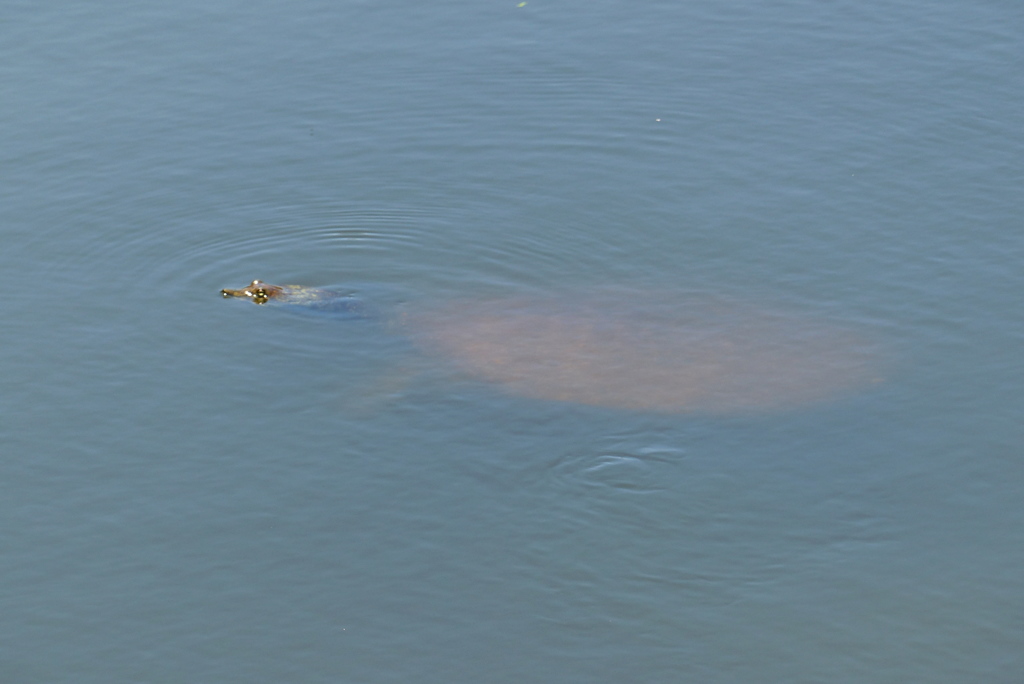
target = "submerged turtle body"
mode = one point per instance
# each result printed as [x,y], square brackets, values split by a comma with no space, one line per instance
[313,298]
[649,352]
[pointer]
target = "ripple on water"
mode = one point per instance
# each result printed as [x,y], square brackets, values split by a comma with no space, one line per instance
[189,253]
[338,246]
[634,470]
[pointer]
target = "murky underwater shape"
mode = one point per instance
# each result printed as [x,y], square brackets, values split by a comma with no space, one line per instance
[648,351]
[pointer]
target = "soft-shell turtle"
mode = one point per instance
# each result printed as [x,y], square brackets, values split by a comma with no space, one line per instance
[638,350]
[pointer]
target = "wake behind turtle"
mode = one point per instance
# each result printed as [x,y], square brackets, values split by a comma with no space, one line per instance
[638,350]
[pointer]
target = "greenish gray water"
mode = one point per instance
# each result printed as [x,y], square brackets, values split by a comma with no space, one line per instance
[201,490]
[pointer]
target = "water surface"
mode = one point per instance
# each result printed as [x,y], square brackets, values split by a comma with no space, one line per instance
[196,491]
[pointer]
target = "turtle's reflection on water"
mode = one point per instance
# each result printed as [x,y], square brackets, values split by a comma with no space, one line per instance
[651,353]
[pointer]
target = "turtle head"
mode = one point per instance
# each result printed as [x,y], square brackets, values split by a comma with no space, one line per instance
[258,291]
